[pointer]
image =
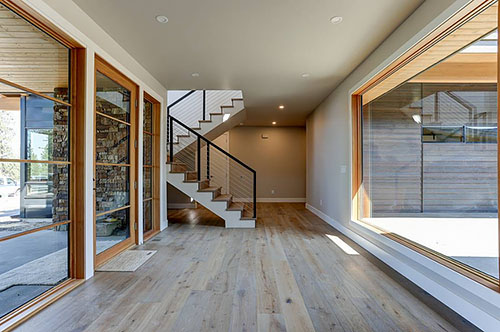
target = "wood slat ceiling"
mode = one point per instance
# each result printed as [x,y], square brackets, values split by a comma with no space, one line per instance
[471,31]
[29,57]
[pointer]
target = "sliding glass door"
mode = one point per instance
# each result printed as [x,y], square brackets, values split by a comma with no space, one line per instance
[427,141]
[114,174]
[35,165]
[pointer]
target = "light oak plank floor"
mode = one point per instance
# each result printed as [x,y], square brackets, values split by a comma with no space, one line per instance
[285,275]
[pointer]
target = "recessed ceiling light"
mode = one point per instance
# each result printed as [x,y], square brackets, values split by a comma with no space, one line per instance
[281,107]
[195,74]
[305,75]
[161,19]
[336,19]
[274,122]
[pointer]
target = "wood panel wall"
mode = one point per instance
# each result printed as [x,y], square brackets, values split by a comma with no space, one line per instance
[403,175]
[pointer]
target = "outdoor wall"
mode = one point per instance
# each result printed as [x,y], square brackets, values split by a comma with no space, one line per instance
[329,188]
[76,23]
[279,160]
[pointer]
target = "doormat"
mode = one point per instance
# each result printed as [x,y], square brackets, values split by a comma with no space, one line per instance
[127,261]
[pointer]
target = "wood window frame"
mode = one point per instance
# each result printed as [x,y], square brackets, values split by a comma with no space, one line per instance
[156,118]
[105,68]
[76,163]
[438,34]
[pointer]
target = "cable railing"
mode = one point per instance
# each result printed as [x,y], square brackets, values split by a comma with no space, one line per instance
[207,161]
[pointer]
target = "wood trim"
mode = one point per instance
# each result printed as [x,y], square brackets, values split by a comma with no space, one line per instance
[34,230]
[114,74]
[41,22]
[454,265]
[78,184]
[100,214]
[147,199]
[12,320]
[27,161]
[20,87]
[438,34]
[112,118]
[444,30]
[114,165]
[147,132]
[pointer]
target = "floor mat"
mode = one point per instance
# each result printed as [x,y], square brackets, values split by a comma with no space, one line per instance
[127,261]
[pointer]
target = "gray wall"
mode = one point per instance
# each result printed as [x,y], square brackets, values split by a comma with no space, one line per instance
[328,127]
[280,160]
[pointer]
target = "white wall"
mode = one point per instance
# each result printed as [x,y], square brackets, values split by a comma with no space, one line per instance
[329,190]
[76,23]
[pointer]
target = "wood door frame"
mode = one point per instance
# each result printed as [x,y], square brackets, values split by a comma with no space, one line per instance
[76,245]
[105,68]
[156,118]
[446,28]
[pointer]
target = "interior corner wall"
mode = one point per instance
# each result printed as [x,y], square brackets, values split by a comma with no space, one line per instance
[67,16]
[279,160]
[328,138]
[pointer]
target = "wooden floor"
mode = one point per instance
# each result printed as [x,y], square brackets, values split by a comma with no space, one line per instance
[285,275]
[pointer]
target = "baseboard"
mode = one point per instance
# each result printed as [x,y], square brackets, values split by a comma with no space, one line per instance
[476,303]
[180,206]
[281,200]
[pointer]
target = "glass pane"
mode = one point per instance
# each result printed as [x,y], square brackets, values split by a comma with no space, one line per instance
[32,264]
[32,196]
[148,149]
[148,116]
[112,141]
[148,182]
[440,196]
[481,134]
[112,99]
[112,229]
[112,188]
[32,58]
[32,127]
[433,134]
[148,216]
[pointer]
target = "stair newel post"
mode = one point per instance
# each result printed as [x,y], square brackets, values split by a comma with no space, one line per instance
[208,162]
[171,139]
[254,194]
[198,161]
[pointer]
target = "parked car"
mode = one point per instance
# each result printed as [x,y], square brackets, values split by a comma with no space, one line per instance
[8,187]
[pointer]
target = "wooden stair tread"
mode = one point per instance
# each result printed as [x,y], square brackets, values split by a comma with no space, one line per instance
[236,207]
[217,113]
[209,189]
[248,218]
[222,198]
[204,121]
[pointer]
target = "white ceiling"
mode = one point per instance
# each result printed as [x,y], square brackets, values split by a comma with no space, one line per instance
[259,46]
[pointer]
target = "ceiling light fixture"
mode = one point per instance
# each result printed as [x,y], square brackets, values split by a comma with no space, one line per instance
[305,75]
[195,74]
[161,19]
[336,19]
[281,107]
[274,122]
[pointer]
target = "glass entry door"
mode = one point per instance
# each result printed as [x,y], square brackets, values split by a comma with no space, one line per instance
[114,173]
[151,152]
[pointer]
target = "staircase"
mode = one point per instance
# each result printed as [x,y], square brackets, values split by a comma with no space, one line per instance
[202,170]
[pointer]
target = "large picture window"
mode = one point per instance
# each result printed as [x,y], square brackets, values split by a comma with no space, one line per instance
[35,163]
[426,158]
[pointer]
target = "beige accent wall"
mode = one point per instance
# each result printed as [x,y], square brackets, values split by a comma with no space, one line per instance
[280,160]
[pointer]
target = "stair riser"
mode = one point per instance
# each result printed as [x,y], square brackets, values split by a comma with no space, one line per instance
[231,218]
